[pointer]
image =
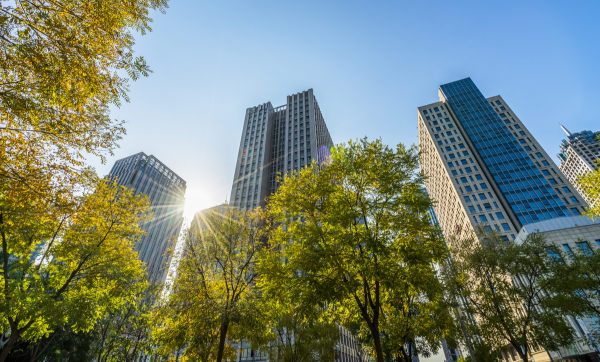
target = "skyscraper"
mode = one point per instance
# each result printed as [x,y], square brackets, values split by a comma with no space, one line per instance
[484,165]
[277,140]
[578,156]
[148,176]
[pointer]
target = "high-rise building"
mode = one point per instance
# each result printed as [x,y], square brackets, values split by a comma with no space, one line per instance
[579,155]
[165,190]
[276,140]
[484,165]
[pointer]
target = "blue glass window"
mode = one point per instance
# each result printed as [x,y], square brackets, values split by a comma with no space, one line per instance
[497,102]
[566,190]
[464,162]
[505,227]
[447,119]
[454,173]
[554,255]
[450,126]
[450,164]
[436,109]
[568,249]
[471,209]
[424,112]
[452,156]
[573,199]
[515,173]
[545,163]
[522,142]
[468,189]
[546,172]
[488,228]
[463,180]
[465,153]
[482,197]
[438,129]
[584,247]
[448,133]
[483,186]
[478,177]
[467,199]
[539,155]
[482,218]
[467,169]
[452,140]
[440,143]
[448,149]
[499,216]
[437,136]
[502,115]
[435,123]
[517,126]
[428,118]
[552,181]
[527,148]
[522,133]
[487,206]
[461,146]
[575,211]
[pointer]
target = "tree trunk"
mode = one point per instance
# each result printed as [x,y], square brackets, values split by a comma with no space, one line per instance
[376,341]
[222,338]
[14,335]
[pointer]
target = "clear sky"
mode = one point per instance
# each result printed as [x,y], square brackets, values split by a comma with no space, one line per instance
[370,63]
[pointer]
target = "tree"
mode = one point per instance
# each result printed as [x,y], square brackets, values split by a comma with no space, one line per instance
[510,291]
[124,334]
[62,64]
[67,266]
[589,183]
[355,235]
[214,296]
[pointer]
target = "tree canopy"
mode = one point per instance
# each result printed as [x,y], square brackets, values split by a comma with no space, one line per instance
[354,236]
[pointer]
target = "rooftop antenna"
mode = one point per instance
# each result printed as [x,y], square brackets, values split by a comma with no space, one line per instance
[565,129]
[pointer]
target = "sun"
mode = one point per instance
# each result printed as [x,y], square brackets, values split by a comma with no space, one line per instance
[195,200]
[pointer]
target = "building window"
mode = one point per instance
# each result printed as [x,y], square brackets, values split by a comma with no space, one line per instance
[552,181]
[527,148]
[452,140]
[467,199]
[482,218]
[539,155]
[482,197]
[498,103]
[478,177]
[464,162]
[505,227]
[573,199]
[483,186]
[468,189]
[487,206]
[545,163]
[499,216]
[452,156]
[471,209]
[584,247]
[463,180]
[467,169]
[566,190]
[454,173]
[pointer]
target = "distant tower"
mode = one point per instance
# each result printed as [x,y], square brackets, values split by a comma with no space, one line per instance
[579,155]
[277,140]
[148,176]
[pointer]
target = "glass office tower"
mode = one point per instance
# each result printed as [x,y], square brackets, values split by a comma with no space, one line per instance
[165,190]
[485,167]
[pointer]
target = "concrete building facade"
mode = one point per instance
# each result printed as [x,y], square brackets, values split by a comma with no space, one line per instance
[579,155]
[485,167]
[276,140]
[166,192]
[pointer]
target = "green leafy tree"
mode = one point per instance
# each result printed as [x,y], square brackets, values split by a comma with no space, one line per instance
[355,235]
[590,185]
[214,298]
[124,334]
[510,291]
[67,266]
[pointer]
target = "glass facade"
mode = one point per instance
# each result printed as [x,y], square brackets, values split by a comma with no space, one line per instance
[527,191]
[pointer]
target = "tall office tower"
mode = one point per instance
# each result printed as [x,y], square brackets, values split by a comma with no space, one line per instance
[277,140]
[148,176]
[579,154]
[484,166]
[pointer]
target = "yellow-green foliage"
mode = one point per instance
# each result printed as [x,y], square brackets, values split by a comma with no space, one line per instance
[355,235]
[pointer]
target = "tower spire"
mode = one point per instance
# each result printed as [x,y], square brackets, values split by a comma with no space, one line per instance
[565,129]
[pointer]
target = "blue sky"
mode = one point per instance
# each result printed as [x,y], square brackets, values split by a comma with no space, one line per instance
[371,64]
